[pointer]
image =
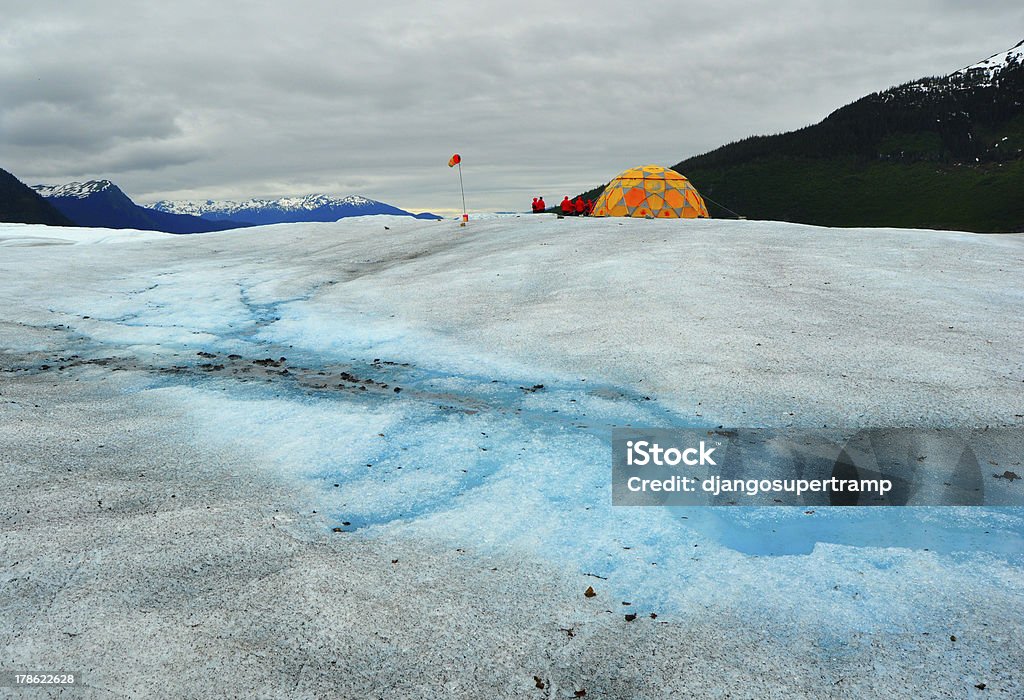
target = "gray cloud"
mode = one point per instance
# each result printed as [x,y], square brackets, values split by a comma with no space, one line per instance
[245,99]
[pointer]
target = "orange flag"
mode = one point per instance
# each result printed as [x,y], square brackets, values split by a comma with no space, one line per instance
[454,160]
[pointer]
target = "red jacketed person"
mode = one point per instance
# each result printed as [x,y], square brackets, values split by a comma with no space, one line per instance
[567,208]
[580,206]
[541,206]
[590,207]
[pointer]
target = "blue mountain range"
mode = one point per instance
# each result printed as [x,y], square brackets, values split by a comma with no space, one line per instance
[313,207]
[102,204]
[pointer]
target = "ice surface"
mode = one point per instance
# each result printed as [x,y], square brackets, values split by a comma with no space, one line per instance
[519,342]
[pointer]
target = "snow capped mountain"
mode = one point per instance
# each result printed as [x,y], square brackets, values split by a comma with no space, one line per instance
[994,64]
[311,207]
[101,203]
[312,201]
[78,190]
[308,203]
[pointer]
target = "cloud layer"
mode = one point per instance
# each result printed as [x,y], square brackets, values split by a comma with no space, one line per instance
[211,100]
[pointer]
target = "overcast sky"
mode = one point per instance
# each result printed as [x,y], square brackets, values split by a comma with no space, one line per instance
[216,100]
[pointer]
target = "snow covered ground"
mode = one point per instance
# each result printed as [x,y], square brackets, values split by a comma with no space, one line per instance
[442,389]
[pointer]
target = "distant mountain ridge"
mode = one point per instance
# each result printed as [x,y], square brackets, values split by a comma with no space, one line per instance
[941,152]
[102,204]
[312,207]
[20,204]
[308,203]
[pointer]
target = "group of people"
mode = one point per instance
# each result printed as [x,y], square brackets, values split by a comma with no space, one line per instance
[577,207]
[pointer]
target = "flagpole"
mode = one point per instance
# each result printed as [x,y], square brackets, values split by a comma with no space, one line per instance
[452,162]
[463,190]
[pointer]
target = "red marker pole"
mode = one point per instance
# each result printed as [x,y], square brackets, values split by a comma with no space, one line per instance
[452,162]
[465,216]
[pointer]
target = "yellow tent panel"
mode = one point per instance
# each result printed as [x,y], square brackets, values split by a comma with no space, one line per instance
[651,191]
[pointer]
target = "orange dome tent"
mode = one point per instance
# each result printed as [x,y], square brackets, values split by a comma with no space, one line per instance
[653,192]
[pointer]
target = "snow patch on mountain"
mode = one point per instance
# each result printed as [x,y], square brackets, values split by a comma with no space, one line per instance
[992,65]
[981,74]
[78,190]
